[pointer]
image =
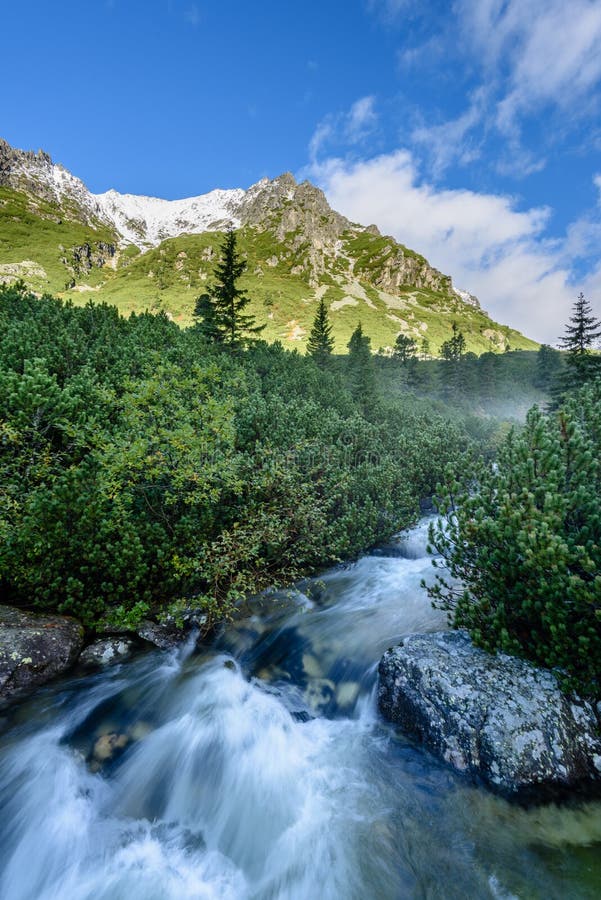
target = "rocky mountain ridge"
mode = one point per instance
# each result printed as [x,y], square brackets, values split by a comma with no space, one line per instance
[280,204]
[149,253]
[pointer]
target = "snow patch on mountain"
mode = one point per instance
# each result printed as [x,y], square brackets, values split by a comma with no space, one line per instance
[468,298]
[150,220]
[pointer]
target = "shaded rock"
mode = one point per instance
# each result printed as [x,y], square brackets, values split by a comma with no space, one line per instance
[169,633]
[89,256]
[497,718]
[35,648]
[106,652]
[139,730]
[347,693]
[165,637]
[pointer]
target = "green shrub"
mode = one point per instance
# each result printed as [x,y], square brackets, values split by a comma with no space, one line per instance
[523,545]
[141,467]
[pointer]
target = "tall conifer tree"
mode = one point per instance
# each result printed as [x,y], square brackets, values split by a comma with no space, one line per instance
[220,311]
[581,333]
[361,369]
[321,343]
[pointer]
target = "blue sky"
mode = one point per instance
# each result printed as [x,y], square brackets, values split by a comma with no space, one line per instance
[471,130]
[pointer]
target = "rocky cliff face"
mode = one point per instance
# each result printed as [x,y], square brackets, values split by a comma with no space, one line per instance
[90,256]
[301,219]
[284,206]
[36,175]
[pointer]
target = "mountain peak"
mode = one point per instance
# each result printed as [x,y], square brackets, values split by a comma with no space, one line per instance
[298,250]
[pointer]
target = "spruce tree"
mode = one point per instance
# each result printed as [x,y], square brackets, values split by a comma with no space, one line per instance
[581,333]
[321,343]
[361,369]
[206,319]
[453,352]
[405,348]
[220,311]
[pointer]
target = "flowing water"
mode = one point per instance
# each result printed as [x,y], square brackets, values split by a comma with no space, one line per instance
[258,768]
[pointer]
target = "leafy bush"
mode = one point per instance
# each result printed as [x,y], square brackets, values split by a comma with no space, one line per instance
[524,544]
[141,466]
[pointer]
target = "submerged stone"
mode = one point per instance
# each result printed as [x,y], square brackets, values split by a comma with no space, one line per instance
[108,745]
[499,719]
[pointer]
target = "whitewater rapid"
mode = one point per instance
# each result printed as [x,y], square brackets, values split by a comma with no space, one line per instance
[258,768]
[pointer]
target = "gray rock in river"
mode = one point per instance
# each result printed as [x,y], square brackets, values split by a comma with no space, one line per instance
[34,648]
[163,636]
[106,652]
[169,633]
[497,718]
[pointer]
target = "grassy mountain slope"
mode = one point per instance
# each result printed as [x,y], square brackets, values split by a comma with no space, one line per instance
[362,275]
[37,238]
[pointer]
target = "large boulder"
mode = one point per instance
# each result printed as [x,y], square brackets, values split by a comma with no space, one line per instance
[499,719]
[34,649]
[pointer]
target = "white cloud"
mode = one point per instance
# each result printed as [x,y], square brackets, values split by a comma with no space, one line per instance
[448,142]
[542,52]
[484,241]
[361,118]
[350,127]
[322,134]
[525,57]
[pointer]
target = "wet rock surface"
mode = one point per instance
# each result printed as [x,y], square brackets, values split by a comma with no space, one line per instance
[34,648]
[107,652]
[498,719]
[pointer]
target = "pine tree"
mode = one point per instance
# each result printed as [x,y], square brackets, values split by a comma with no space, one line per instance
[521,541]
[405,348]
[453,352]
[454,349]
[361,369]
[220,311]
[581,333]
[321,343]
[424,349]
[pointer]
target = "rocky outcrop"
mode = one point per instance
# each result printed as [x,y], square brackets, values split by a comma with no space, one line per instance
[300,218]
[284,206]
[498,719]
[34,649]
[169,633]
[15,162]
[36,175]
[399,269]
[90,256]
[107,652]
